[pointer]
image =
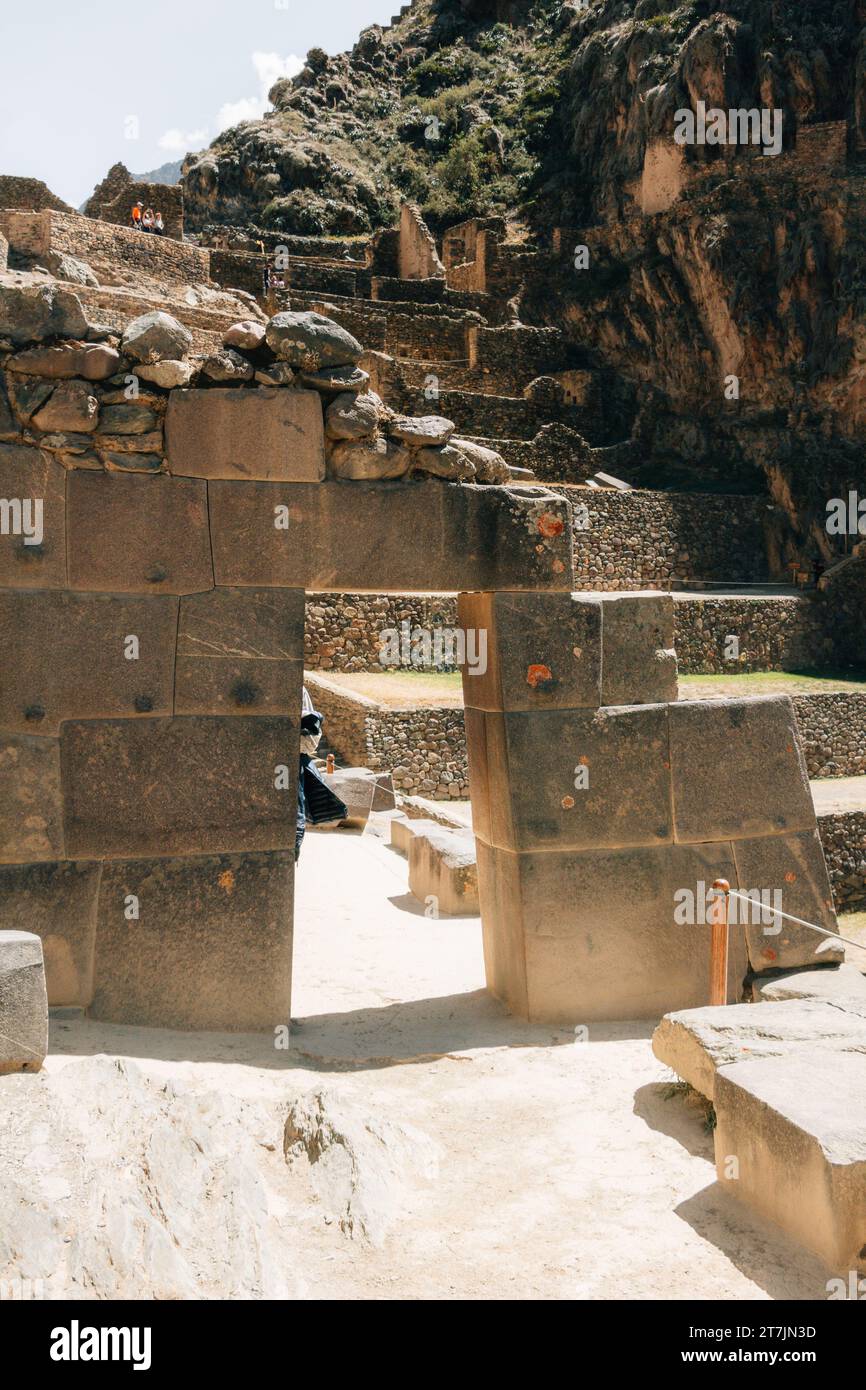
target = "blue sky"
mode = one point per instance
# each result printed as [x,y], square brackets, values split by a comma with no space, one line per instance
[85,84]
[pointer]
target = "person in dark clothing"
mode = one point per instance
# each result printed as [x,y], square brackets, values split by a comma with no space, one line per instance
[317,804]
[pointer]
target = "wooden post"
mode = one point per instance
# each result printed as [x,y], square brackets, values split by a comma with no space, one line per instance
[719,943]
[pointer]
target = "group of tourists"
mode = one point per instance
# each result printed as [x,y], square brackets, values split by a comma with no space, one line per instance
[146,220]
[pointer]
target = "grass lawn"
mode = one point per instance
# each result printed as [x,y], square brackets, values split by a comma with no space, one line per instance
[400,688]
[766,683]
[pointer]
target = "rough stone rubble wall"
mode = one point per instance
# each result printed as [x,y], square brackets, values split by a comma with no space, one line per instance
[107,248]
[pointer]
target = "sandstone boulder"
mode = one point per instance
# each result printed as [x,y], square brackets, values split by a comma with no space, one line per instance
[31,312]
[227,366]
[167,374]
[490,467]
[352,417]
[156,337]
[421,431]
[370,459]
[311,341]
[23,1003]
[442,867]
[92,361]
[695,1043]
[67,267]
[246,335]
[446,462]
[71,406]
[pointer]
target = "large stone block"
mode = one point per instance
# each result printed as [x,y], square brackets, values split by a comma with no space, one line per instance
[133,534]
[696,1043]
[32,519]
[572,779]
[542,651]
[410,537]
[23,1003]
[57,902]
[240,651]
[273,435]
[84,664]
[443,872]
[738,771]
[31,811]
[795,1127]
[178,786]
[639,663]
[211,946]
[792,867]
[600,931]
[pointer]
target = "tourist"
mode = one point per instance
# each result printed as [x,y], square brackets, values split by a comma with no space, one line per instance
[159,225]
[136,216]
[147,220]
[317,804]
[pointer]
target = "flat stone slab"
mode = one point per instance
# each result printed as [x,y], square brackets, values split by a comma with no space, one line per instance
[23,1003]
[131,534]
[531,651]
[738,771]
[639,662]
[571,779]
[196,785]
[412,537]
[443,872]
[841,985]
[97,655]
[791,871]
[363,791]
[695,1043]
[266,434]
[404,831]
[240,651]
[31,807]
[33,540]
[587,937]
[210,947]
[795,1127]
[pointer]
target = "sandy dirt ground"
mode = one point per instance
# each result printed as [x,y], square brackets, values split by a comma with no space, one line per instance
[566,1170]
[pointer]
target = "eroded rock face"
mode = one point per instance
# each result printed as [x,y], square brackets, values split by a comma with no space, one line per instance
[31,311]
[361,1167]
[311,341]
[155,337]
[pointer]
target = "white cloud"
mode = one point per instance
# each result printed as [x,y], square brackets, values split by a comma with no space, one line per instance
[179,141]
[268,67]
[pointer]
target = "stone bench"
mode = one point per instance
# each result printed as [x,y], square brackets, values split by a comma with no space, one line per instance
[442,864]
[795,1127]
[23,1003]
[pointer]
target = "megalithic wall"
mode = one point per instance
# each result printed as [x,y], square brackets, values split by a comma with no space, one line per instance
[603,809]
[151,642]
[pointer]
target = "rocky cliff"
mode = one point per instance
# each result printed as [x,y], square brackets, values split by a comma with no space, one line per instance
[722,286]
